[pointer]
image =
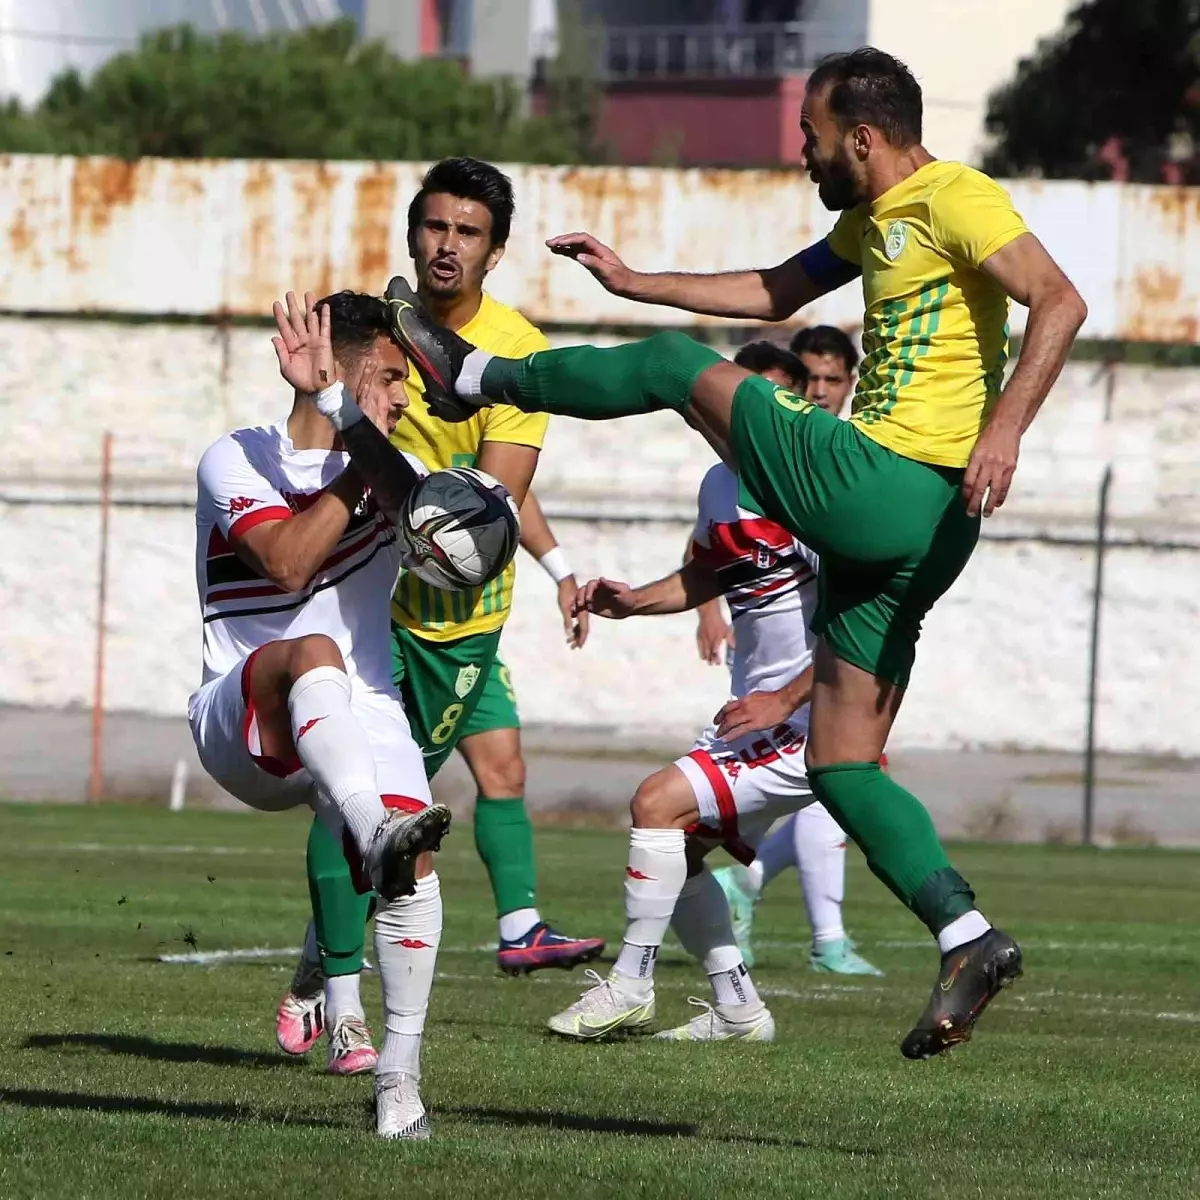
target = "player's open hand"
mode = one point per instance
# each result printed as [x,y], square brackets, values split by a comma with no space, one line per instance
[575,624]
[755,713]
[304,347]
[606,598]
[612,273]
[990,469]
[713,634]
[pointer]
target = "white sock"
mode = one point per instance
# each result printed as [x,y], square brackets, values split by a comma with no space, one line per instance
[654,878]
[517,924]
[701,923]
[407,934]
[820,849]
[469,378]
[963,929]
[342,999]
[777,851]
[332,745]
[336,403]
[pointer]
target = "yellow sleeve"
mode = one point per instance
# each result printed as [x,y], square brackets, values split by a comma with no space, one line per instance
[845,238]
[502,422]
[972,217]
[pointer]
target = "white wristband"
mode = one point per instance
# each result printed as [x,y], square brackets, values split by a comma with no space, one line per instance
[555,564]
[338,405]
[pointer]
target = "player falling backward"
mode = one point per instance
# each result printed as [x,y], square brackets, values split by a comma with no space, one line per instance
[891,499]
[295,560]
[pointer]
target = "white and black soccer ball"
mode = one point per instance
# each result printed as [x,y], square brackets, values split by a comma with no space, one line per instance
[459,529]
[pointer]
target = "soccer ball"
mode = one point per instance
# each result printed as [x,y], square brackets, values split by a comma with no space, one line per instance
[459,529]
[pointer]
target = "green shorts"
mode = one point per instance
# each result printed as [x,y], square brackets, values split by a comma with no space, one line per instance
[451,690]
[893,533]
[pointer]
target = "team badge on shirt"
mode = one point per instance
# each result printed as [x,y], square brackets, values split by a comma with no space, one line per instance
[896,240]
[466,680]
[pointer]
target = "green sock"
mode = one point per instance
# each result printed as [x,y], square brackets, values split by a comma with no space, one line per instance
[339,911]
[894,831]
[598,385]
[504,839]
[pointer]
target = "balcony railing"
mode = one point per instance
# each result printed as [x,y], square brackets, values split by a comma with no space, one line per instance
[704,51]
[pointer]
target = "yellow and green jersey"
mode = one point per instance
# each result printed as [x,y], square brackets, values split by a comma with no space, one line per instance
[935,330]
[430,612]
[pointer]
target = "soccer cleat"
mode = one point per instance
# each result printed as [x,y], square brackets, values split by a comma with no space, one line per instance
[723,1024]
[437,352]
[300,1018]
[742,897]
[350,1048]
[391,859]
[603,1008]
[399,1113]
[970,977]
[839,957]
[544,947]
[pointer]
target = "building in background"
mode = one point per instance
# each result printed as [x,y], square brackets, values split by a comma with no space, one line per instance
[39,39]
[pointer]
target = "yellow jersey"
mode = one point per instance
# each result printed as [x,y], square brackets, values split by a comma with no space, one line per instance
[430,612]
[935,329]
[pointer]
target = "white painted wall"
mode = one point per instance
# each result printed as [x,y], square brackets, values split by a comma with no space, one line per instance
[1002,662]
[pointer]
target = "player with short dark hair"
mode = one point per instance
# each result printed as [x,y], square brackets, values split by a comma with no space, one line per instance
[772,362]
[829,359]
[445,645]
[890,499]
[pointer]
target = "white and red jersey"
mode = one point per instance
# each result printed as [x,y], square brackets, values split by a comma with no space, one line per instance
[255,475]
[769,580]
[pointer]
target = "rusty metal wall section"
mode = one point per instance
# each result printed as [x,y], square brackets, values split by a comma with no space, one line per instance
[222,237]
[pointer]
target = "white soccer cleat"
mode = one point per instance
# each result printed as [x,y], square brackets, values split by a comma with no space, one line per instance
[350,1048]
[399,1113]
[724,1023]
[300,1018]
[602,1009]
[391,859]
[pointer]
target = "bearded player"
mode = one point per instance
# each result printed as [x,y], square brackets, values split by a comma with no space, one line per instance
[445,645]
[891,500]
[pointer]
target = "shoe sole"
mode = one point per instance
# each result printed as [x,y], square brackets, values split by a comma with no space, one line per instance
[368,1066]
[565,962]
[423,833]
[1005,968]
[413,1133]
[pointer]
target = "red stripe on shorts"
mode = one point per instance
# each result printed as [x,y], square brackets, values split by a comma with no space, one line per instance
[281,768]
[721,790]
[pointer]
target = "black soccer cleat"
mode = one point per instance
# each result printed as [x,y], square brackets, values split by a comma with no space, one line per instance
[970,977]
[437,352]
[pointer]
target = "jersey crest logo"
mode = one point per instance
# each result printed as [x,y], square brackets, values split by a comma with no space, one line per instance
[467,678]
[896,240]
[763,558]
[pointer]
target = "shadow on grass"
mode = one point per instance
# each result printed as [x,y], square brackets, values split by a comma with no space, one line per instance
[143,1047]
[635,1127]
[214,1111]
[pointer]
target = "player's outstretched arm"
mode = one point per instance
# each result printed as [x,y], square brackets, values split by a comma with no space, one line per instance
[769,294]
[681,591]
[1056,313]
[538,539]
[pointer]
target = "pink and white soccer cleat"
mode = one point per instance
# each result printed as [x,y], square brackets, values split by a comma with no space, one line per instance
[350,1048]
[300,1018]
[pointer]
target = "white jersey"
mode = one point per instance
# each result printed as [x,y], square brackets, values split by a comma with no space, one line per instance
[255,475]
[769,580]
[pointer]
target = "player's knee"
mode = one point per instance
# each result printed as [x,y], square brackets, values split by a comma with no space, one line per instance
[499,777]
[314,650]
[654,804]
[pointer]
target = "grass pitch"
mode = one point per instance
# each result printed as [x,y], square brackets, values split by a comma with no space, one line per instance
[125,1076]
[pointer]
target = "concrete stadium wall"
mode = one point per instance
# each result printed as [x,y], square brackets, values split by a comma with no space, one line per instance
[1003,659]
[222,237]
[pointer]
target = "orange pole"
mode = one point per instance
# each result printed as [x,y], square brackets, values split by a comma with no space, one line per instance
[96,778]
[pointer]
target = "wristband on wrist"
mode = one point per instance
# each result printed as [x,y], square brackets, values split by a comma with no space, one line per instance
[338,405]
[554,563]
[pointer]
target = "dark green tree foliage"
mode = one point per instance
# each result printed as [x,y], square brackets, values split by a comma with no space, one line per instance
[1127,70]
[316,93]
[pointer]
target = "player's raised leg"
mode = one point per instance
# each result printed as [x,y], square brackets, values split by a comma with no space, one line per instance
[655,874]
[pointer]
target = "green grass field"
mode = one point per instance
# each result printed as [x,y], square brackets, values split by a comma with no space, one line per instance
[124,1076]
